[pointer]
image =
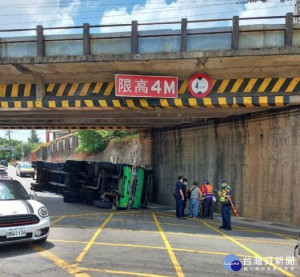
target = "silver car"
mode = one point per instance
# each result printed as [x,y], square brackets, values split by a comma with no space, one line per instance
[21,218]
[297,251]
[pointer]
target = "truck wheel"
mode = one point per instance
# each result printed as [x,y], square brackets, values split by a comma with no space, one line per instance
[102,204]
[72,193]
[71,199]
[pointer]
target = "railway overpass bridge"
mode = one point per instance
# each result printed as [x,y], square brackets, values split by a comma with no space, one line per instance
[246,129]
[67,81]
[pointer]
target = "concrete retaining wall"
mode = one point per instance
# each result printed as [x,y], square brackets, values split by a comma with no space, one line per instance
[260,157]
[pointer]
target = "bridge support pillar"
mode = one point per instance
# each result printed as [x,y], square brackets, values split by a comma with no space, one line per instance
[40,88]
[146,143]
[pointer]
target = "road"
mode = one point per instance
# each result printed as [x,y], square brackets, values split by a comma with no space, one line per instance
[87,241]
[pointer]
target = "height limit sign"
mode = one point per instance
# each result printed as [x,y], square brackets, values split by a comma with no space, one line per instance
[200,85]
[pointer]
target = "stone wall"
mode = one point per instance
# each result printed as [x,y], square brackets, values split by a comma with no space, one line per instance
[260,158]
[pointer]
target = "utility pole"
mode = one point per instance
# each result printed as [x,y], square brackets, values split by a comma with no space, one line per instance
[9,141]
[297,11]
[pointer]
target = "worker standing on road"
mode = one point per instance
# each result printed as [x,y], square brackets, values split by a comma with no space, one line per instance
[195,195]
[208,200]
[225,198]
[179,197]
[185,182]
[202,189]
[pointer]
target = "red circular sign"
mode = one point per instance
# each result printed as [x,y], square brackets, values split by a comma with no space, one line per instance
[200,85]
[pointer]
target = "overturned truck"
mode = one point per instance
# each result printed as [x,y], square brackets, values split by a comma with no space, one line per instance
[102,184]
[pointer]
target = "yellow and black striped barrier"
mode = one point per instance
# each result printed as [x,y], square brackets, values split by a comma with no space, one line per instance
[255,101]
[55,127]
[247,92]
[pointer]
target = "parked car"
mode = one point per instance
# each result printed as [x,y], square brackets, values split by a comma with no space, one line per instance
[297,250]
[22,219]
[24,169]
[4,162]
[3,171]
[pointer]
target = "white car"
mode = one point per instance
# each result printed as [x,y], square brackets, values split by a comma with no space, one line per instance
[297,251]
[21,218]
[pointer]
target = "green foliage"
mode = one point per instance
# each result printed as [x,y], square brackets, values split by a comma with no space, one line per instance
[91,141]
[34,139]
[25,148]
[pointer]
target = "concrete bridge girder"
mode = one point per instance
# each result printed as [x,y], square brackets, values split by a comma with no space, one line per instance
[244,63]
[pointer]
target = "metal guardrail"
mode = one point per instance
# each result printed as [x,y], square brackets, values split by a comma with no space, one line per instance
[183,32]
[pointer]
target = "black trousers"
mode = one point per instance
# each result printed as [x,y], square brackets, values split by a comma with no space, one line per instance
[208,207]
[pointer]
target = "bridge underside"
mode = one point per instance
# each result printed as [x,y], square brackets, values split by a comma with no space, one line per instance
[78,91]
[222,64]
[113,119]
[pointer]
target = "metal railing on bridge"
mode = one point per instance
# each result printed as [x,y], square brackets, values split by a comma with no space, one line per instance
[40,40]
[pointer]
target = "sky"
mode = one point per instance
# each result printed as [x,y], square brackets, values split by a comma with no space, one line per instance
[16,14]
[19,14]
[23,135]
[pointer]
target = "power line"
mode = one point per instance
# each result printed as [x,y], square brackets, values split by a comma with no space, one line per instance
[137,14]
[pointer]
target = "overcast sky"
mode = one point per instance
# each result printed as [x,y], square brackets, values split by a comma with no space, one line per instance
[16,14]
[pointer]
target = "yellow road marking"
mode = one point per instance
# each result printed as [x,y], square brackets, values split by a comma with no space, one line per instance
[168,246]
[98,213]
[59,219]
[94,237]
[150,247]
[73,270]
[243,239]
[121,272]
[286,273]
[245,229]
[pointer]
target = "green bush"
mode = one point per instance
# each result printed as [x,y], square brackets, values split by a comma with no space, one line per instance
[91,141]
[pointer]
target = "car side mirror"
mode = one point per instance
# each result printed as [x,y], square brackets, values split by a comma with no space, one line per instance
[33,195]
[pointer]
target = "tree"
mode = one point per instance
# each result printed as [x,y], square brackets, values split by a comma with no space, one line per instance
[33,137]
[93,141]
[24,148]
